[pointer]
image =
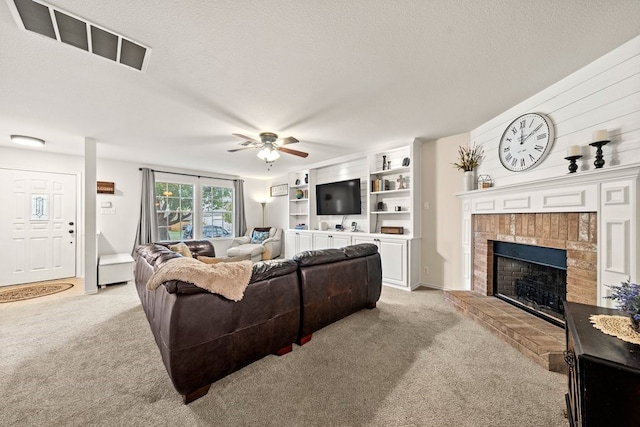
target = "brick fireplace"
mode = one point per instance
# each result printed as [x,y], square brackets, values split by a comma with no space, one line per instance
[574,232]
[592,215]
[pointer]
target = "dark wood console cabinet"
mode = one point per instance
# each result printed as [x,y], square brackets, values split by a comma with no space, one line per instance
[603,372]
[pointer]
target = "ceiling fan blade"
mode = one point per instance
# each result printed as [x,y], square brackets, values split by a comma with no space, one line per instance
[239,149]
[248,138]
[288,140]
[294,152]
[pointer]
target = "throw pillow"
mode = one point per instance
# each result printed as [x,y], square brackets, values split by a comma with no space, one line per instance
[214,260]
[182,249]
[271,230]
[259,236]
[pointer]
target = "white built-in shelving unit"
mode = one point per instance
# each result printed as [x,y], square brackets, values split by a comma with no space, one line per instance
[400,253]
[393,189]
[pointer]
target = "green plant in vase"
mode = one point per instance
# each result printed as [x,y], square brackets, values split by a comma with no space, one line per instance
[627,298]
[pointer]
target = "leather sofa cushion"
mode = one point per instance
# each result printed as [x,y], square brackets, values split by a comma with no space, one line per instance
[325,256]
[262,270]
[360,250]
[155,254]
[197,247]
[319,256]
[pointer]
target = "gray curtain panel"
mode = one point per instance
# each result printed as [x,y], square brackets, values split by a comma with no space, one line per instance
[240,219]
[148,224]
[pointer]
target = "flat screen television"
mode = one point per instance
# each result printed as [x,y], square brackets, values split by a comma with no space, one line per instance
[338,198]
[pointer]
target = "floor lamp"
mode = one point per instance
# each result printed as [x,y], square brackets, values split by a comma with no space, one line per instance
[263,205]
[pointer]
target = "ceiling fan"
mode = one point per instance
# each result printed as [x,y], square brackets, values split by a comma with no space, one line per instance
[270,146]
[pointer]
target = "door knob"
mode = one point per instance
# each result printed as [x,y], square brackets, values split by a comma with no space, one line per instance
[70,231]
[70,222]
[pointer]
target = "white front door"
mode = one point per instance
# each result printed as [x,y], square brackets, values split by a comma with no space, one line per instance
[38,219]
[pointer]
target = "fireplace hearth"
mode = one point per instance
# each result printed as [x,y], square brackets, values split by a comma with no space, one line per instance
[533,278]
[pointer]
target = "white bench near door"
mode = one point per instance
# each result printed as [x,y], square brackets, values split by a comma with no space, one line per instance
[115,268]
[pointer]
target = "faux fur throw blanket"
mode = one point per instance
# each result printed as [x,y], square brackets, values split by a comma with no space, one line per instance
[226,279]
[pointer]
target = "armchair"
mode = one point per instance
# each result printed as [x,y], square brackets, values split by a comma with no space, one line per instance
[261,243]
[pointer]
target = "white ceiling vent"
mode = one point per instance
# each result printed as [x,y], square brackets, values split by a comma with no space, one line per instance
[51,22]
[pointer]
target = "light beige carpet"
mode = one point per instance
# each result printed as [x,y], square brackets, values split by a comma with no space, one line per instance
[90,360]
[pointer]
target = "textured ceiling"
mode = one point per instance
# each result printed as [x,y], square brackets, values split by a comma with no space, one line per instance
[341,76]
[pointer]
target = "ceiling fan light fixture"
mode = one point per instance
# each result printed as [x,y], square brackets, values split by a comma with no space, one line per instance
[274,155]
[268,154]
[264,153]
[28,141]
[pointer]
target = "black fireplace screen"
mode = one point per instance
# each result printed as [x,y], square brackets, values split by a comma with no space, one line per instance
[532,277]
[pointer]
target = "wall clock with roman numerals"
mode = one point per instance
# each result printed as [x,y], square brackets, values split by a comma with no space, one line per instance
[526,142]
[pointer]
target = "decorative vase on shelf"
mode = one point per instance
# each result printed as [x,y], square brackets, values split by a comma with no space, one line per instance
[306,178]
[469,180]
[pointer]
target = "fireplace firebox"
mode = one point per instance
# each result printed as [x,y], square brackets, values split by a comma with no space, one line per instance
[533,278]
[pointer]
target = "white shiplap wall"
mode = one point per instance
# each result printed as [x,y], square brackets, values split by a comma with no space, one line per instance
[603,95]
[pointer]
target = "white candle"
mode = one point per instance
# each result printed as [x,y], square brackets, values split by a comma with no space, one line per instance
[600,135]
[574,150]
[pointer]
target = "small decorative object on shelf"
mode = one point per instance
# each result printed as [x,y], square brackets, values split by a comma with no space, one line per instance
[300,227]
[574,152]
[484,181]
[306,178]
[400,182]
[389,165]
[299,194]
[573,166]
[406,161]
[384,162]
[392,230]
[468,159]
[297,182]
[379,185]
[600,138]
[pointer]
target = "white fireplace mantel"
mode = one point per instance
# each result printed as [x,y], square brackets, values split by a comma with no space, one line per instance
[612,192]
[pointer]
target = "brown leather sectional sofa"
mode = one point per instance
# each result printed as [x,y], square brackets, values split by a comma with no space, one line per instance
[203,337]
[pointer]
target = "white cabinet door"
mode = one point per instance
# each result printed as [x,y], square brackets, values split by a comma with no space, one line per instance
[321,241]
[329,241]
[340,241]
[361,239]
[305,242]
[393,254]
[290,244]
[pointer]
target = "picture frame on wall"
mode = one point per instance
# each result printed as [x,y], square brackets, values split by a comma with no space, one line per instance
[279,190]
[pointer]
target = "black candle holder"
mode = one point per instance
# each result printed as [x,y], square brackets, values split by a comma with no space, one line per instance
[573,166]
[599,162]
